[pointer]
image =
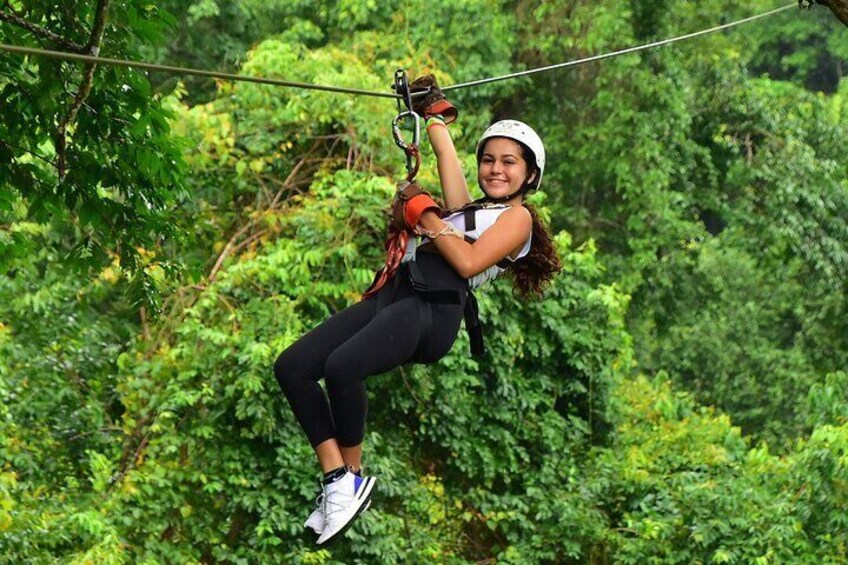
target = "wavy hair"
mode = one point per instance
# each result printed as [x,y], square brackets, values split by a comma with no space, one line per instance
[533,272]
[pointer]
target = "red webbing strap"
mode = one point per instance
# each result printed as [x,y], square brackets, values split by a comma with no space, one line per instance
[413,153]
[397,240]
[395,250]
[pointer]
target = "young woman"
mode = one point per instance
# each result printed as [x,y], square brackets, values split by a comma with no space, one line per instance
[415,316]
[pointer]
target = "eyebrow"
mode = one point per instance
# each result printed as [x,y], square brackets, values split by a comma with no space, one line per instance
[486,153]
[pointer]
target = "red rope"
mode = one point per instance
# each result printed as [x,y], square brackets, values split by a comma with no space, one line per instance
[395,250]
[397,240]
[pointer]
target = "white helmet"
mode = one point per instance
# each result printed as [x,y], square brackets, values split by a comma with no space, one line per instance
[522,133]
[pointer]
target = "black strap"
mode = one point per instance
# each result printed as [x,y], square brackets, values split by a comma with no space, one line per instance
[421,286]
[473,325]
[469,215]
[471,313]
[425,315]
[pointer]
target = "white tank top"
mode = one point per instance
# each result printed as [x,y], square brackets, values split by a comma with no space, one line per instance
[484,218]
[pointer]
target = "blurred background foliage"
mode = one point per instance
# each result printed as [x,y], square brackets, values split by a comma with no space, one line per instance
[678,397]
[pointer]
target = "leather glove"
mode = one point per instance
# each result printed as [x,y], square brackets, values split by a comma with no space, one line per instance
[434,102]
[411,201]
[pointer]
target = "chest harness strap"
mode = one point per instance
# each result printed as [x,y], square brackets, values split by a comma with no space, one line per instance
[472,310]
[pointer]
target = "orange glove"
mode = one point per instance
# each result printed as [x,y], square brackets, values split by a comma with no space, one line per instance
[410,202]
[416,207]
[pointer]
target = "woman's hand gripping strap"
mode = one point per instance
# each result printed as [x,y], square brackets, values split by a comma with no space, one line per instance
[416,207]
[411,201]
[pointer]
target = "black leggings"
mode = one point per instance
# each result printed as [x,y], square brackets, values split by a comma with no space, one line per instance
[371,337]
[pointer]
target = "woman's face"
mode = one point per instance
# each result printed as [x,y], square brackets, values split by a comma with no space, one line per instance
[502,169]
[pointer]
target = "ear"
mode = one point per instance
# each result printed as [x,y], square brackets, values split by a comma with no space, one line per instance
[532,178]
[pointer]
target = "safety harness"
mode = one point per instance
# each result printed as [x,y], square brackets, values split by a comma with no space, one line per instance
[472,310]
[419,283]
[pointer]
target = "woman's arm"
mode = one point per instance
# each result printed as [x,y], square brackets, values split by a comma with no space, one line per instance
[451,177]
[506,237]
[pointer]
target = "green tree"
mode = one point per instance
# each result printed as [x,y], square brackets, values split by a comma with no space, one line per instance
[699,183]
[88,167]
[707,208]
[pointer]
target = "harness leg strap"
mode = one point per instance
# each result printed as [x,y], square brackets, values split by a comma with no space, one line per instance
[473,325]
[425,313]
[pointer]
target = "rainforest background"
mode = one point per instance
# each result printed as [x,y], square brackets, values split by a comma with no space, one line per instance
[680,396]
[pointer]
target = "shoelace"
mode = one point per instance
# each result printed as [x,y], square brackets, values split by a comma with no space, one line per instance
[339,506]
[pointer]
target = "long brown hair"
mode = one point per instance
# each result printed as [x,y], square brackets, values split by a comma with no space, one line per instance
[533,272]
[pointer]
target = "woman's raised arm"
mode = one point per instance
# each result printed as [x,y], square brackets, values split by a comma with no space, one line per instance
[451,177]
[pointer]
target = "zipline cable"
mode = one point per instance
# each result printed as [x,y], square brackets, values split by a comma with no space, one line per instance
[185,70]
[276,82]
[617,53]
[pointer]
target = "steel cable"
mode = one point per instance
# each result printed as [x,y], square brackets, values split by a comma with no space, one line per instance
[359,92]
[620,52]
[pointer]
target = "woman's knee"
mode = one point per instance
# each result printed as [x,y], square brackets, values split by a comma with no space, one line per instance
[341,369]
[286,369]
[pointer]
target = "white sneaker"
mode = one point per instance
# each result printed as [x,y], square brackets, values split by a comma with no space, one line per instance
[316,520]
[344,500]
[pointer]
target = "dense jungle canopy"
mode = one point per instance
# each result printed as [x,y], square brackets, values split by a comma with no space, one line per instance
[679,396]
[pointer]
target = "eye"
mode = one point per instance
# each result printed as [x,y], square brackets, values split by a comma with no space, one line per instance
[486,159]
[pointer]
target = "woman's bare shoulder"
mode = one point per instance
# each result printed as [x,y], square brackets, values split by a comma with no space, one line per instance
[517,215]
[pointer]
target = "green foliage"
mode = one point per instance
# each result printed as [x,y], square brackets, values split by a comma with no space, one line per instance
[681,487]
[124,169]
[384,34]
[793,49]
[699,206]
[710,193]
[778,253]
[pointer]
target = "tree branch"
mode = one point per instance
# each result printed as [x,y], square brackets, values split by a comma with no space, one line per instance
[25,150]
[42,32]
[93,47]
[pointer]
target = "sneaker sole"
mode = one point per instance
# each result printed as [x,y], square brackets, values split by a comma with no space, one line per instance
[340,534]
[365,498]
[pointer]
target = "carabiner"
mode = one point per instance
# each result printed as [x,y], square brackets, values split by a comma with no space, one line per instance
[411,149]
[416,130]
[401,86]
